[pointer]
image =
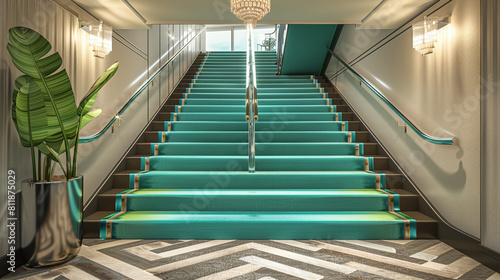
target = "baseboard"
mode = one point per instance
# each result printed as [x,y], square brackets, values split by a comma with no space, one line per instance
[469,246]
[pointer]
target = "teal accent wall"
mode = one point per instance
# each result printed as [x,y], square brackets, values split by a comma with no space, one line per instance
[306,48]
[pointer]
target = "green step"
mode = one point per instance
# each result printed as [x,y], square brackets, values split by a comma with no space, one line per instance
[235,178]
[227,73]
[213,101]
[259,90]
[265,77]
[262,108]
[260,81]
[235,66]
[263,149]
[262,163]
[261,96]
[260,136]
[256,200]
[262,116]
[260,85]
[184,224]
[259,126]
[259,61]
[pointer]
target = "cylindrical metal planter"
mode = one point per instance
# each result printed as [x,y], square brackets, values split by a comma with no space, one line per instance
[51,221]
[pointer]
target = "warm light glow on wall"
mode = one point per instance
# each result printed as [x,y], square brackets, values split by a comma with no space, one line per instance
[425,35]
[100,39]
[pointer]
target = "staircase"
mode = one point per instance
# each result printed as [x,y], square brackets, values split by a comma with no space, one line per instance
[319,174]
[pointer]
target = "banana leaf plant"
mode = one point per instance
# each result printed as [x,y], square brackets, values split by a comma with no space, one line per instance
[44,109]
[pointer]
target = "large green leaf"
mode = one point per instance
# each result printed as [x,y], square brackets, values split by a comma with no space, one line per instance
[28,49]
[61,95]
[89,99]
[29,112]
[90,116]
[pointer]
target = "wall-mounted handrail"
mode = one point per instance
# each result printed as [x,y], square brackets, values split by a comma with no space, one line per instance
[145,85]
[427,137]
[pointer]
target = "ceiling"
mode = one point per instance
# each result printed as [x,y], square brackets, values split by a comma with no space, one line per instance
[139,14]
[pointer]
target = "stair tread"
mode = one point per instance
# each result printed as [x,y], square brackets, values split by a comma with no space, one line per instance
[249,192]
[246,156]
[279,143]
[251,216]
[282,132]
[386,172]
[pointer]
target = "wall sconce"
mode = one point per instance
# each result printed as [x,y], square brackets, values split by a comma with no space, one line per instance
[425,33]
[100,39]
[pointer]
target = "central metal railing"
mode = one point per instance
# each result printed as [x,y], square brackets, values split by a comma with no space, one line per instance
[252,114]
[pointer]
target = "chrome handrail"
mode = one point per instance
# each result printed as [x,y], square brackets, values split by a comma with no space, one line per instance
[251,99]
[255,105]
[425,136]
[95,136]
[247,105]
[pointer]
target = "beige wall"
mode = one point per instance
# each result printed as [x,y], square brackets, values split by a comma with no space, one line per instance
[437,92]
[140,52]
[490,122]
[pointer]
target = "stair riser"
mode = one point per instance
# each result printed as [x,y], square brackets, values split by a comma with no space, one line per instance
[262,95]
[261,91]
[207,202]
[259,126]
[239,67]
[277,163]
[260,82]
[260,149]
[268,117]
[261,137]
[321,101]
[262,164]
[262,102]
[262,109]
[146,149]
[242,181]
[262,86]
[360,137]
[259,77]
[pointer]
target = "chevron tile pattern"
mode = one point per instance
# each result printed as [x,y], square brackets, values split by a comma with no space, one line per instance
[264,260]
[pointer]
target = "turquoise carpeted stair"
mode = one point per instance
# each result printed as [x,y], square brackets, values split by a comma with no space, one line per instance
[311,181]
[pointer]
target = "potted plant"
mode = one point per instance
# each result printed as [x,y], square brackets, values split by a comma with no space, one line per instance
[48,122]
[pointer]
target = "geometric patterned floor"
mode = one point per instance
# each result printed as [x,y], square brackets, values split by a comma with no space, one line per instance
[263,260]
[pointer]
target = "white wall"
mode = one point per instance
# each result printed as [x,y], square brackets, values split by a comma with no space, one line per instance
[437,92]
[139,53]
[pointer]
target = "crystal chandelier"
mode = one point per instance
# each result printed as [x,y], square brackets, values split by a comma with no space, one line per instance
[250,11]
[100,39]
[425,35]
